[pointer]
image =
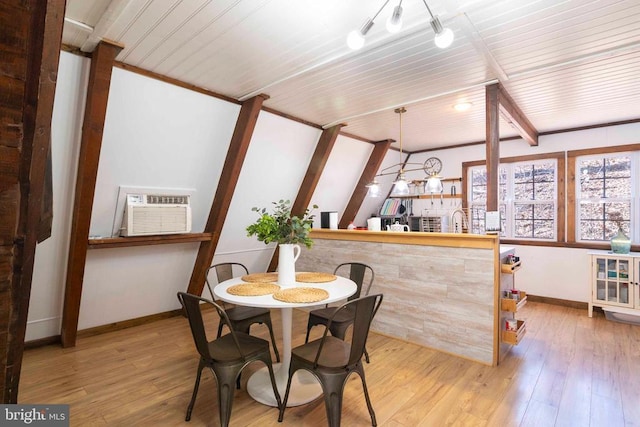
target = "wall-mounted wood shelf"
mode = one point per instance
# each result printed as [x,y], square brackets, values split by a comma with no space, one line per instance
[119,242]
[514,337]
[510,268]
[511,305]
[428,196]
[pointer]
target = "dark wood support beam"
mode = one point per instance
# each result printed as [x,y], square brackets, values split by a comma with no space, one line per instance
[492,145]
[226,186]
[314,172]
[368,174]
[95,111]
[512,113]
[30,37]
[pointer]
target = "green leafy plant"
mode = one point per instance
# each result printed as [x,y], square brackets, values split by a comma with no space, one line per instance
[281,227]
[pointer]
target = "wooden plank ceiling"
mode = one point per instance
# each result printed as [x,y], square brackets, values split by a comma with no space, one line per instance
[565,63]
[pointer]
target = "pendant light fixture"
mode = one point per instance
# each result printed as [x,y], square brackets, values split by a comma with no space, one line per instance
[443,38]
[373,188]
[400,185]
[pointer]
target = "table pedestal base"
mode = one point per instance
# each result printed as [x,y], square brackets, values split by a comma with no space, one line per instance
[304,386]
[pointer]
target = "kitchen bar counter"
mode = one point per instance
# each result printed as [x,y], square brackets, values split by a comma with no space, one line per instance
[441,290]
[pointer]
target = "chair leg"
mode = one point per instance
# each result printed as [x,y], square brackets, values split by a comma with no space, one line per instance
[283,406]
[220,325]
[333,386]
[273,340]
[366,355]
[226,378]
[360,371]
[195,391]
[309,326]
[273,381]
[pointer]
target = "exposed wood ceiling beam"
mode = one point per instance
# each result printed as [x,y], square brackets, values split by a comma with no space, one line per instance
[90,145]
[368,174]
[310,181]
[236,154]
[493,144]
[30,48]
[512,114]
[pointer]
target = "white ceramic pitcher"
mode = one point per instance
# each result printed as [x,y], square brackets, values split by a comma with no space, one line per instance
[287,256]
[398,227]
[373,224]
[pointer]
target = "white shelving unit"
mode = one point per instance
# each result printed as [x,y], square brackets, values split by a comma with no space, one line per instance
[615,281]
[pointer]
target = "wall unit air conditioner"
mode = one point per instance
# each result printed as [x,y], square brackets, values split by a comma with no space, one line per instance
[148,214]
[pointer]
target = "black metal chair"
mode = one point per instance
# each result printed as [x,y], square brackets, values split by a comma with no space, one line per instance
[226,356]
[332,359]
[241,317]
[340,324]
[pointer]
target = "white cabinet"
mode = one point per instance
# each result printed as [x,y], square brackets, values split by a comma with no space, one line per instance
[615,282]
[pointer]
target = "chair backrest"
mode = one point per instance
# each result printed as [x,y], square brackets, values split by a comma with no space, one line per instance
[191,305]
[358,274]
[225,271]
[364,309]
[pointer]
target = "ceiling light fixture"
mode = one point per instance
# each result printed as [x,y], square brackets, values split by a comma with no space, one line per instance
[400,185]
[462,106]
[444,36]
[394,23]
[374,188]
[443,39]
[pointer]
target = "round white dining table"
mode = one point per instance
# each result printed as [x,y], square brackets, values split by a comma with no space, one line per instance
[304,386]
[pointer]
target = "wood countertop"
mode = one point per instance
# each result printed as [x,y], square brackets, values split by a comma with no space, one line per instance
[456,240]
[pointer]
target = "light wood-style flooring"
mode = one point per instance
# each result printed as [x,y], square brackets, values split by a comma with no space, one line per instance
[569,370]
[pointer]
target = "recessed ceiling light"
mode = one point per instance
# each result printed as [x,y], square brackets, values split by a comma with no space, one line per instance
[462,106]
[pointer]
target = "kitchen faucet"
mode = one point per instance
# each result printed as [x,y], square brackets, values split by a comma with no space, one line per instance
[463,225]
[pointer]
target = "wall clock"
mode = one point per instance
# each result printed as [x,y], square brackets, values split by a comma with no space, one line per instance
[432,166]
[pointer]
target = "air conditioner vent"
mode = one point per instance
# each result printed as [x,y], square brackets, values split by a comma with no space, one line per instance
[154,199]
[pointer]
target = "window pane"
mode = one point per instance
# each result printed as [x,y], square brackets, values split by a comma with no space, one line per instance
[543,229]
[523,191]
[545,211]
[544,191]
[591,230]
[523,229]
[523,211]
[477,219]
[478,184]
[591,211]
[591,188]
[617,188]
[600,221]
[523,174]
[618,167]
[545,172]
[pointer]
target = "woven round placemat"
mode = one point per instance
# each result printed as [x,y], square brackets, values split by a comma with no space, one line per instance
[260,277]
[253,289]
[315,277]
[301,295]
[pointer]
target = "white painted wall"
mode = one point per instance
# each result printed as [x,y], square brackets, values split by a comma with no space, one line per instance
[50,268]
[158,135]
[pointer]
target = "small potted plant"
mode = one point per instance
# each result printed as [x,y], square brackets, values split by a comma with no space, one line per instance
[286,230]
